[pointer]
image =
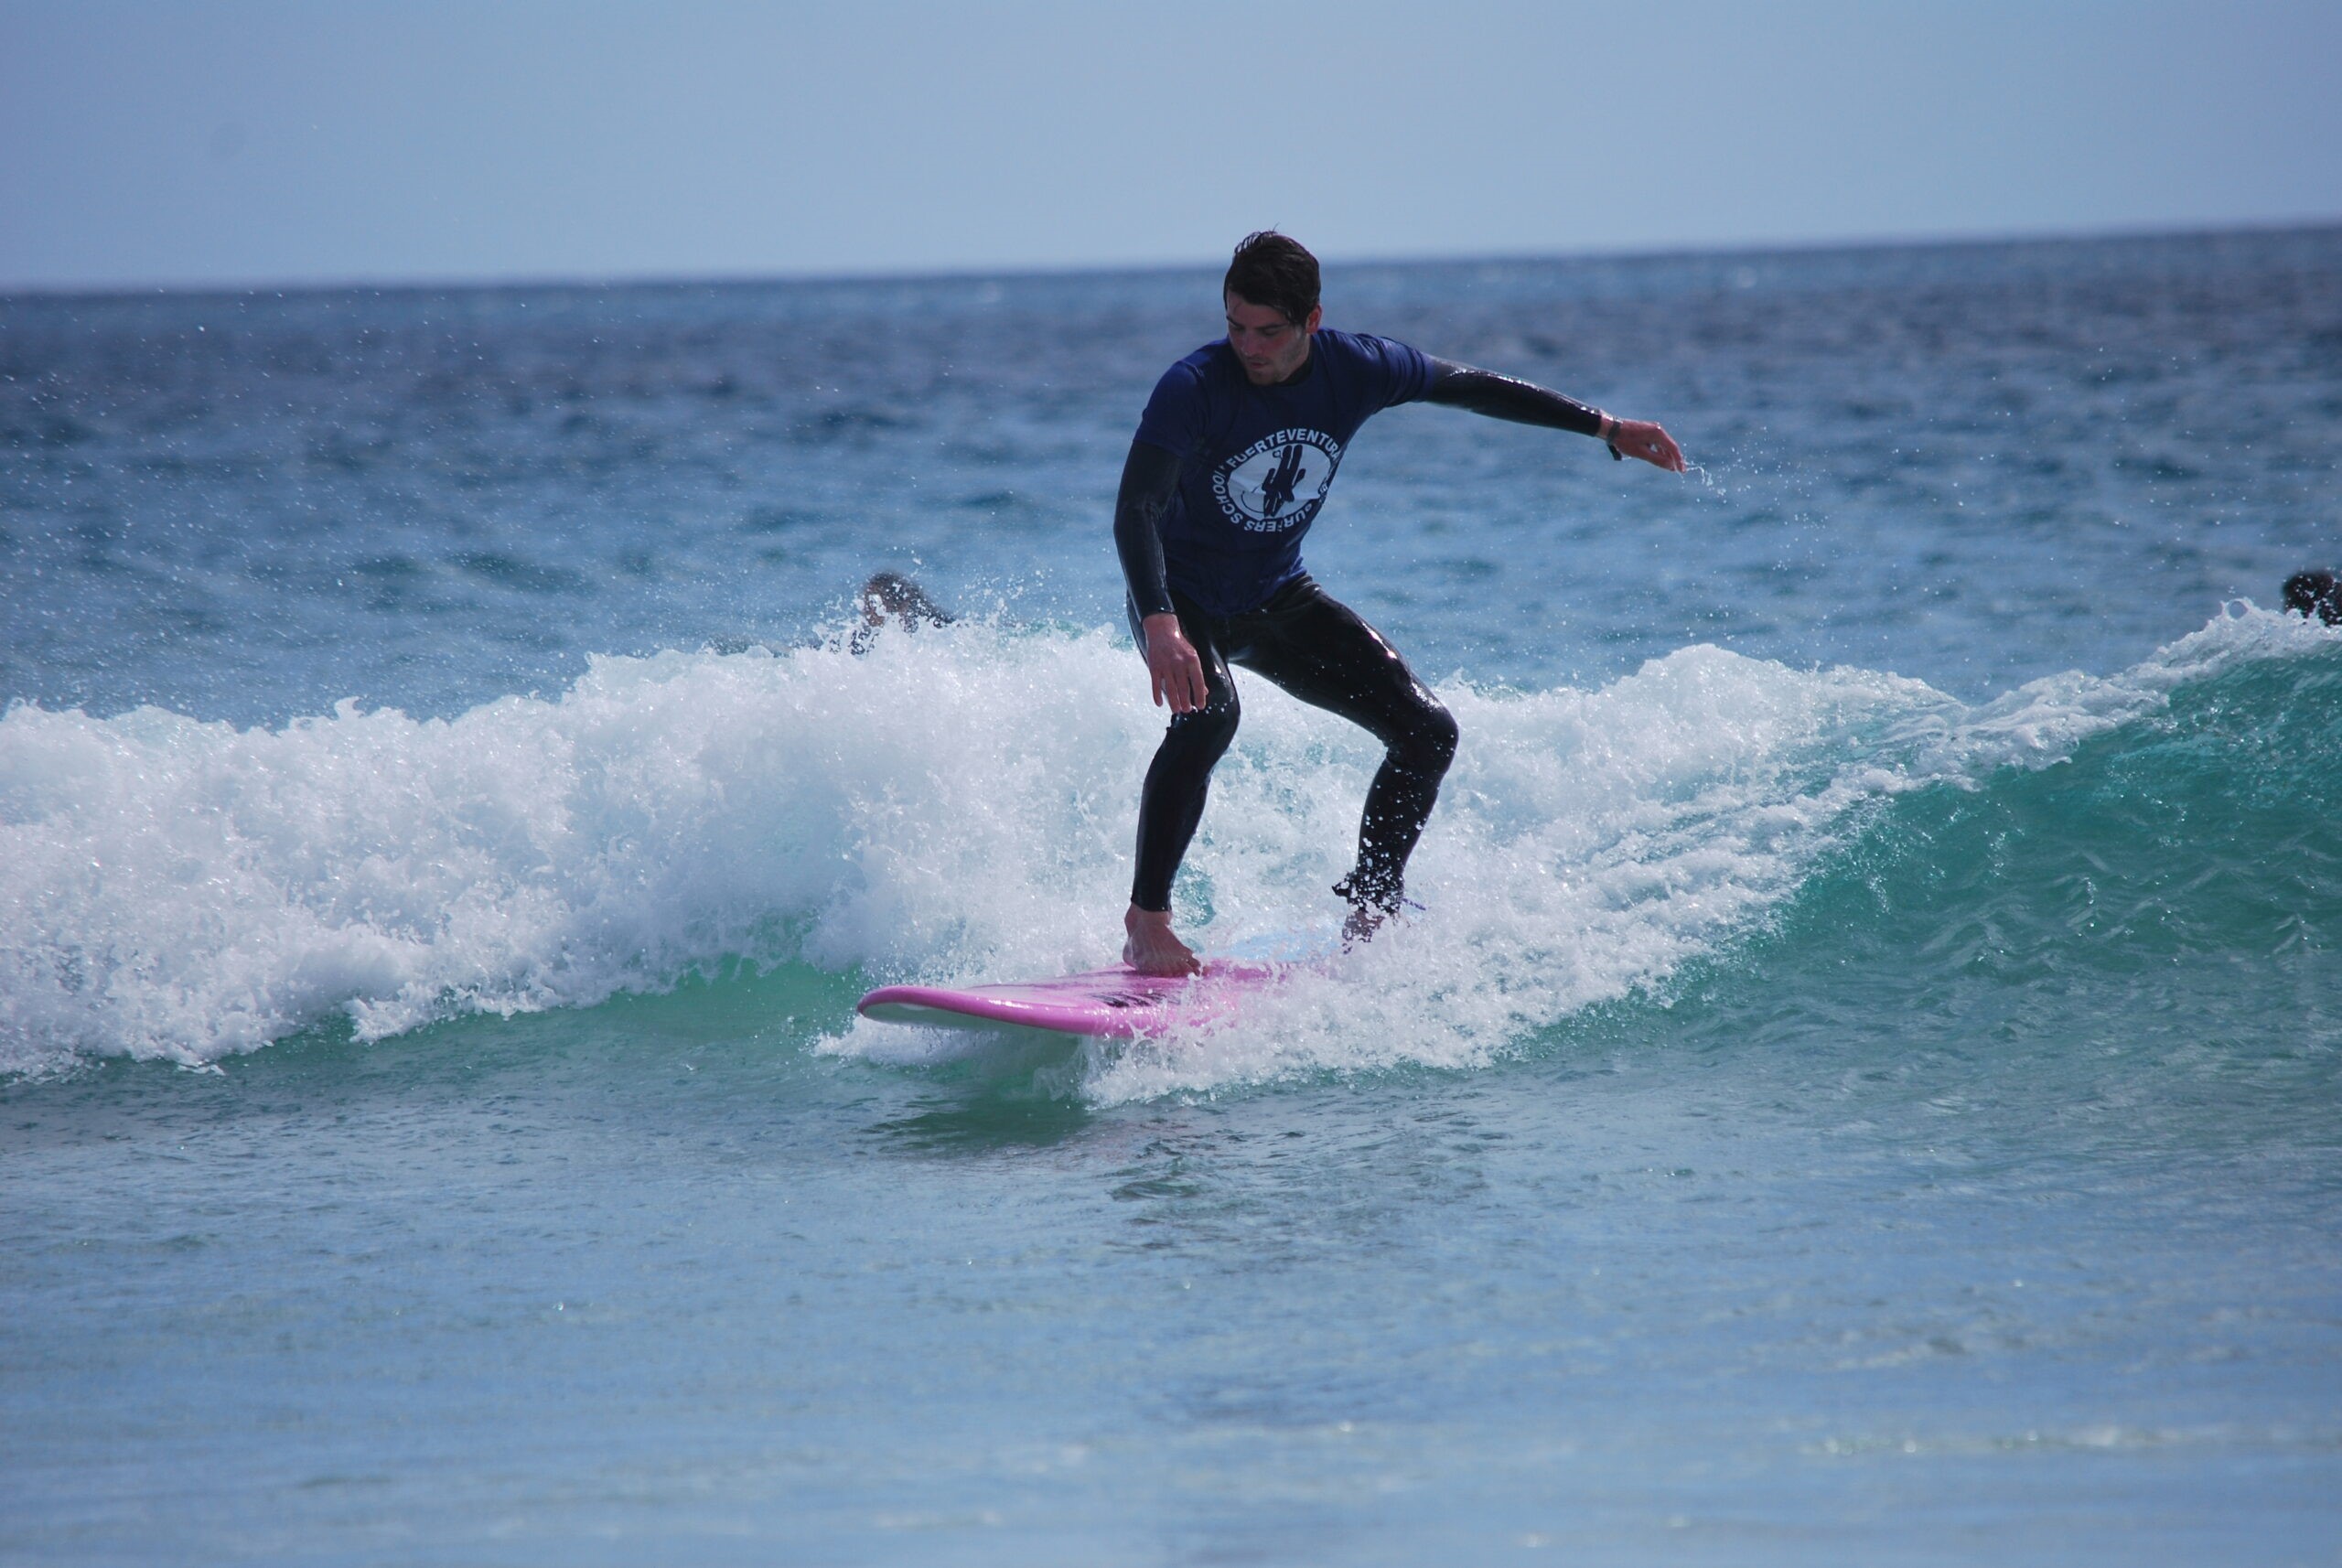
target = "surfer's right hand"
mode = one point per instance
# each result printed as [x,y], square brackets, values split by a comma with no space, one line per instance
[1172,664]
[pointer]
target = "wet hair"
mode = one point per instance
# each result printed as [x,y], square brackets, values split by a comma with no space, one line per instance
[890,594]
[1272,269]
[2315,594]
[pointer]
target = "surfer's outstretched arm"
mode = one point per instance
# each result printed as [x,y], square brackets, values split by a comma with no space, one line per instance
[1150,478]
[1526,403]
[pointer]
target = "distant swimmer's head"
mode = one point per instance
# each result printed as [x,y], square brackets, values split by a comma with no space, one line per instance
[2315,594]
[1271,292]
[890,596]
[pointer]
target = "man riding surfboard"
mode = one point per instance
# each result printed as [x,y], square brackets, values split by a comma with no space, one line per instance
[1231,461]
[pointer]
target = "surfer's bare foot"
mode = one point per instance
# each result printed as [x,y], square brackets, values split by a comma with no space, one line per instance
[1360,926]
[1373,904]
[1150,947]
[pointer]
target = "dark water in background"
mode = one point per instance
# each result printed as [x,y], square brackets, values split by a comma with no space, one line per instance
[1865,1089]
[1971,465]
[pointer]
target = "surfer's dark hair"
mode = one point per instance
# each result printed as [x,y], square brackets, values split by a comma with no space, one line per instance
[890,594]
[1275,270]
[2315,594]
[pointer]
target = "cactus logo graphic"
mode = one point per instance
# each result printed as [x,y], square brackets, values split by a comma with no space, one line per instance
[1277,483]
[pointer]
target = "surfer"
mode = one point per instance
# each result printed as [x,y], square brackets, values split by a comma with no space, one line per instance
[1231,463]
[2315,594]
[889,596]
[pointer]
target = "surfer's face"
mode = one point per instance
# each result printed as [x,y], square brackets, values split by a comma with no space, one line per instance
[1270,345]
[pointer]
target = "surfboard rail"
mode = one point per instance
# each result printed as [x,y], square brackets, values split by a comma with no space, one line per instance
[1110,1004]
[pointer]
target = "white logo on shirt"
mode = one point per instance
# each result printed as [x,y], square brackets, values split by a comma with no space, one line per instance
[1277,483]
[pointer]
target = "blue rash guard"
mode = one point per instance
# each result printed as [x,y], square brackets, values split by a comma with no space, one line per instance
[1223,479]
[1255,462]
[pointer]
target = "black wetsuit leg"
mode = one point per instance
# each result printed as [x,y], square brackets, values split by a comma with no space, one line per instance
[1179,777]
[1318,649]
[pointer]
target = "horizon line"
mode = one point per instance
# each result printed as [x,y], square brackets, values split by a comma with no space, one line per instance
[542,283]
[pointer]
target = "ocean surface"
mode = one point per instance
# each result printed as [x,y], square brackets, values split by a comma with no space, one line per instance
[1866,1088]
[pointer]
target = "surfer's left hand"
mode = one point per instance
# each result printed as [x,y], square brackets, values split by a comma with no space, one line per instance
[1641,438]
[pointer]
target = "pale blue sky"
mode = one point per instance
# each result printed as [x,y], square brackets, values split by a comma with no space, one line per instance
[208,143]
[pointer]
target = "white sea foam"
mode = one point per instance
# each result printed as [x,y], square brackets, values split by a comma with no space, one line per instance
[954,804]
[182,890]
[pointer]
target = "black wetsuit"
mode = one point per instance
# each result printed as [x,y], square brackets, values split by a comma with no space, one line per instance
[1318,649]
[1309,644]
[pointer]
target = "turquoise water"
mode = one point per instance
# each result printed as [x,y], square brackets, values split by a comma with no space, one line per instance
[1864,1089]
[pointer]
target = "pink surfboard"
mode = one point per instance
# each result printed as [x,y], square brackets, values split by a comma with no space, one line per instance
[1113,1004]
